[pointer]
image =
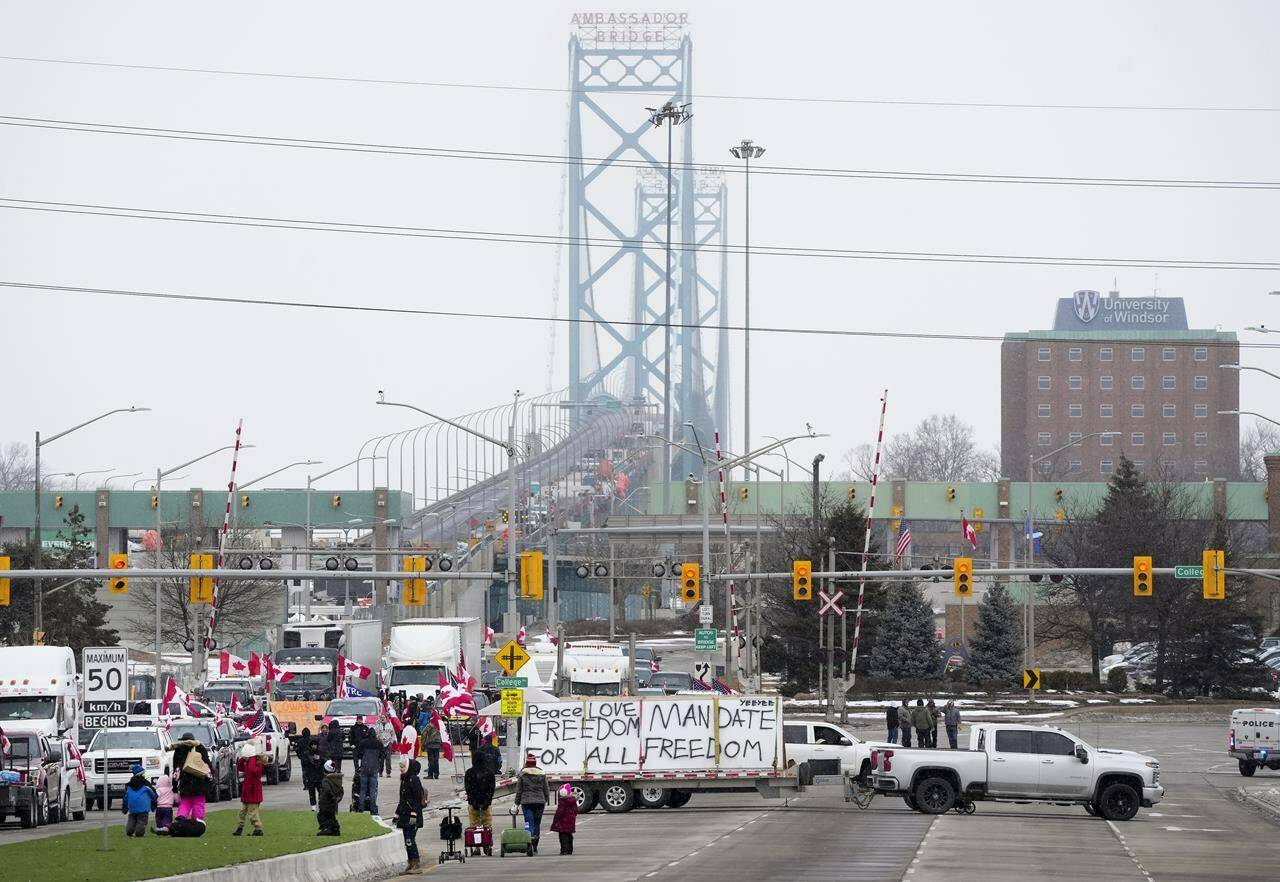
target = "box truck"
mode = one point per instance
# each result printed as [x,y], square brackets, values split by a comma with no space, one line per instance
[39,690]
[421,650]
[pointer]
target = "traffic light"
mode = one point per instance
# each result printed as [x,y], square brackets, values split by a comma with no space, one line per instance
[690,582]
[200,587]
[896,511]
[336,501]
[57,502]
[506,518]
[851,493]
[743,494]
[951,494]
[1143,581]
[155,500]
[963,576]
[531,575]
[118,584]
[414,591]
[4,582]
[801,580]
[1057,494]
[979,514]
[1215,580]
[244,501]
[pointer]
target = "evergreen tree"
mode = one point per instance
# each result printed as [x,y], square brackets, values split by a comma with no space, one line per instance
[996,649]
[906,643]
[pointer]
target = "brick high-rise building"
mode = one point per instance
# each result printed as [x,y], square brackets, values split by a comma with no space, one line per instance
[1126,365]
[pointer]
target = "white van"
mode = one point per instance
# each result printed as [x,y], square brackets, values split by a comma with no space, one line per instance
[39,691]
[1254,738]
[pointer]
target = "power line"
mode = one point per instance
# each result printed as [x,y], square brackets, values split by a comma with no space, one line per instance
[639,244]
[527,317]
[502,87]
[49,124]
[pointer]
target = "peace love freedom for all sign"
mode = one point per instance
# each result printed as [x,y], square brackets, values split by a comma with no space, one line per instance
[655,734]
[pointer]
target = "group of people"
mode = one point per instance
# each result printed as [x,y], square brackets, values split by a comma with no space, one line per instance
[532,794]
[923,718]
[190,780]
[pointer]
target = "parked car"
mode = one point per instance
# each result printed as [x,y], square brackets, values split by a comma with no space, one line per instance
[807,741]
[647,657]
[276,745]
[144,746]
[643,676]
[346,711]
[1254,739]
[35,795]
[222,692]
[222,755]
[74,801]
[672,682]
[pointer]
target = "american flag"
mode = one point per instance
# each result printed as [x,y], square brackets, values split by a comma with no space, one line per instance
[722,687]
[904,542]
[256,724]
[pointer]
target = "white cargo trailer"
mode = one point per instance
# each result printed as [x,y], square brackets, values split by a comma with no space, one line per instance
[422,649]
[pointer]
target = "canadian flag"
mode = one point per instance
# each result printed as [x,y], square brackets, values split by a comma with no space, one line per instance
[74,750]
[389,712]
[465,680]
[272,672]
[485,727]
[173,693]
[4,744]
[255,664]
[969,532]
[235,703]
[488,636]
[232,665]
[346,667]
[446,745]
[520,636]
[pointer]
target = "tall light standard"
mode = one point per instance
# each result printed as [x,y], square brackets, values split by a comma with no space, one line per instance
[1251,413]
[1246,367]
[1033,461]
[36,545]
[76,484]
[311,479]
[747,151]
[511,621]
[161,474]
[235,505]
[673,115]
[107,482]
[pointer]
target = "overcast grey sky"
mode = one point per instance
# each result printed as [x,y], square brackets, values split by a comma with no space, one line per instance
[305,383]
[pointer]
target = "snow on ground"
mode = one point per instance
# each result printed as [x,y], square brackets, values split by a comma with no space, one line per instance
[1137,701]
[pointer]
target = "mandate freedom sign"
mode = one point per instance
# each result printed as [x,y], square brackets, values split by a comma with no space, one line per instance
[653,733]
[1090,311]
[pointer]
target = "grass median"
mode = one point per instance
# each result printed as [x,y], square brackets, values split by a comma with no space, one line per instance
[79,856]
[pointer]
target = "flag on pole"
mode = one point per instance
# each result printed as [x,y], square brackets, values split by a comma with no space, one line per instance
[349,691]
[346,667]
[446,743]
[255,665]
[235,703]
[488,636]
[256,724]
[520,636]
[969,532]
[1033,535]
[904,542]
[174,693]
[230,665]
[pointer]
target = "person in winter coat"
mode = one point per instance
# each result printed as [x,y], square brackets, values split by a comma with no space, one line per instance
[951,719]
[934,716]
[479,783]
[139,800]
[331,793]
[312,764]
[566,820]
[386,737]
[164,803]
[922,722]
[409,813]
[251,767]
[192,787]
[408,737]
[432,743]
[331,745]
[368,756]
[904,722]
[532,795]
[891,723]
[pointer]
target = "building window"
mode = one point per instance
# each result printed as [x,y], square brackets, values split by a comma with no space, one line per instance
[1202,439]
[1138,382]
[1139,464]
[1201,466]
[1075,410]
[1170,439]
[1137,439]
[1137,410]
[1168,353]
[1075,353]
[1201,353]
[1168,382]
[1106,467]
[1075,466]
[1106,411]
[1044,383]
[1075,383]
[1106,353]
[1042,354]
[1169,411]
[1042,439]
[1106,440]
[1201,383]
[1202,411]
[1106,383]
[1043,410]
[1138,353]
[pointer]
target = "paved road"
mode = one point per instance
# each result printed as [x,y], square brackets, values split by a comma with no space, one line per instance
[1199,833]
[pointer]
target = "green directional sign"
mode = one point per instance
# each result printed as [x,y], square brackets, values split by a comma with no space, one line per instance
[1188,572]
[704,639]
[512,682]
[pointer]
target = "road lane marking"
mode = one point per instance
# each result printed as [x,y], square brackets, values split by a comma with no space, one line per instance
[1133,857]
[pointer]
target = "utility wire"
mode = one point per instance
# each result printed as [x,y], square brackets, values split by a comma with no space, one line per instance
[526,317]
[639,244]
[501,87]
[63,125]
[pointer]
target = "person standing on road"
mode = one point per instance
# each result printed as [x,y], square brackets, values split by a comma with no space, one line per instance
[891,722]
[139,800]
[386,737]
[251,766]
[331,744]
[479,783]
[312,765]
[432,744]
[922,722]
[904,722]
[368,761]
[330,798]
[409,813]
[566,820]
[951,719]
[934,716]
[532,795]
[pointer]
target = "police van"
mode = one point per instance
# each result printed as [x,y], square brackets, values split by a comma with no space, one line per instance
[1254,738]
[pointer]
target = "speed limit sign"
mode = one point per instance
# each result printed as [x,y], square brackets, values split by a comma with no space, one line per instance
[106,687]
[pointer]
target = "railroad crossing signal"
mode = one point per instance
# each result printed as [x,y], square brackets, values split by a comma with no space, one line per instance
[801,580]
[1031,678]
[512,657]
[690,582]
[963,576]
[830,603]
[1143,583]
[1215,579]
[531,575]
[118,584]
[200,587]
[4,582]
[415,589]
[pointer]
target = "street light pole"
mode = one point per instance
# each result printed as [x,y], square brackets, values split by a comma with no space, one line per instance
[236,488]
[76,484]
[747,151]
[1251,413]
[307,537]
[37,546]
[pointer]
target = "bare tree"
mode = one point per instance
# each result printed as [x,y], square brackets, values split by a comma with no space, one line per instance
[1257,441]
[940,448]
[17,466]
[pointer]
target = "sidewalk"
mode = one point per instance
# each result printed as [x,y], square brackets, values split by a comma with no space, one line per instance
[1264,796]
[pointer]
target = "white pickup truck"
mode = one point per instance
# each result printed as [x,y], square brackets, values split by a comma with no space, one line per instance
[1015,763]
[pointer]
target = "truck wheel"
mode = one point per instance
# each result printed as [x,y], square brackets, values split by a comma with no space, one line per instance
[42,810]
[911,802]
[273,773]
[652,797]
[1090,810]
[28,816]
[286,772]
[617,798]
[935,796]
[1247,768]
[80,815]
[1118,802]
[586,797]
[679,798]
